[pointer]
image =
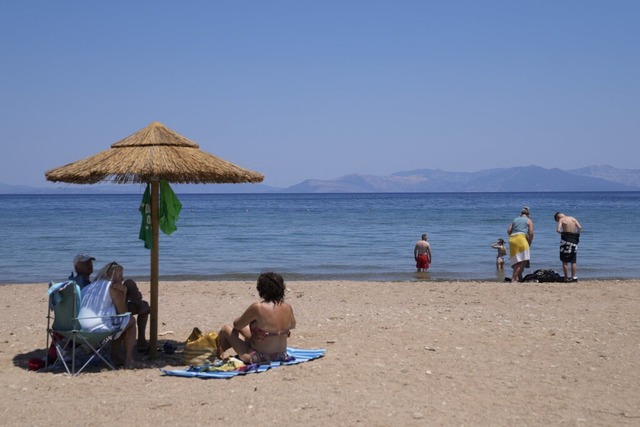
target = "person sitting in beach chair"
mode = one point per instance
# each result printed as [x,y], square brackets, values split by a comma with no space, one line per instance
[89,319]
[136,306]
[260,334]
[107,295]
[83,268]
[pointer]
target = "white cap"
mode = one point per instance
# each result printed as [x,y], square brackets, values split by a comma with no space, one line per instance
[82,257]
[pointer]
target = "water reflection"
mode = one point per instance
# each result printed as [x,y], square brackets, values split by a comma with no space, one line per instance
[422,276]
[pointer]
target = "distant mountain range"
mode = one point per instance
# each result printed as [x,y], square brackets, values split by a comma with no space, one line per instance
[526,179]
[515,179]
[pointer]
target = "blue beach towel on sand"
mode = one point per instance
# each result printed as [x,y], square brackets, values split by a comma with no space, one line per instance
[299,356]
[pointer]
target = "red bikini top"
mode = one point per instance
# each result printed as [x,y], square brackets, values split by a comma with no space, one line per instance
[259,334]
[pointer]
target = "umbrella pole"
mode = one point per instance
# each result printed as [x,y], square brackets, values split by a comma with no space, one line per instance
[153,324]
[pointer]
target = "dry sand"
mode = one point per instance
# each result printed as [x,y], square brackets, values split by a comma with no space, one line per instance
[415,353]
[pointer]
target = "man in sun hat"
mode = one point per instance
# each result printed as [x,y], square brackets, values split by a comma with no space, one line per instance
[83,266]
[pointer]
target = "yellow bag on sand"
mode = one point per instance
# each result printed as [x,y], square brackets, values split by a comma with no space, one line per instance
[200,348]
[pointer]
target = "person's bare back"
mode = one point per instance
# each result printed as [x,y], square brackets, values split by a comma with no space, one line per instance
[422,253]
[569,228]
[568,224]
[422,247]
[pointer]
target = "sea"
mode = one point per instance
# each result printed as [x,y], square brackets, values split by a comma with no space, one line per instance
[315,237]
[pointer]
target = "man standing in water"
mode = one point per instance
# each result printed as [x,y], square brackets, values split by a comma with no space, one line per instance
[422,254]
[569,229]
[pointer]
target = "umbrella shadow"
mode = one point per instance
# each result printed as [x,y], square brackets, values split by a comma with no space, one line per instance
[169,355]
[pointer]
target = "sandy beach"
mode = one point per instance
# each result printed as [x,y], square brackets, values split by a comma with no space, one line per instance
[412,353]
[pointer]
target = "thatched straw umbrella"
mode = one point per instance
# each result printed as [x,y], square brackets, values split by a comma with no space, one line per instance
[152,154]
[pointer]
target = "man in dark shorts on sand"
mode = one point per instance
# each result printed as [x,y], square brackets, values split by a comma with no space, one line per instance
[569,229]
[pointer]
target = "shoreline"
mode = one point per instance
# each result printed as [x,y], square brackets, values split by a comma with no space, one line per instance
[248,277]
[413,277]
[413,353]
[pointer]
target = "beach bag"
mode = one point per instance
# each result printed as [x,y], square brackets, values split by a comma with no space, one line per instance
[200,348]
[548,276]
[543,276]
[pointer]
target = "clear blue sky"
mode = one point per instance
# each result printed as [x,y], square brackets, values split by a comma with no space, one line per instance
[304,89]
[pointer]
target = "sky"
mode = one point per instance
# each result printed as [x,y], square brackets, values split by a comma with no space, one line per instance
[320,89]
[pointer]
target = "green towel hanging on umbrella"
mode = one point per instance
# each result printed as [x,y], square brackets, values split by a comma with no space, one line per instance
[169,208]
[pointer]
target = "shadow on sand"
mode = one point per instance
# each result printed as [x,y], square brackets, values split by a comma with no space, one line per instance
[166,358]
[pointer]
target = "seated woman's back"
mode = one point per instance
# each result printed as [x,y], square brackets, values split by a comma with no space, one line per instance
[271,325]
[260,334]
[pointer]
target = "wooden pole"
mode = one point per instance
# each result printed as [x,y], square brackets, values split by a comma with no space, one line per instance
[153,324]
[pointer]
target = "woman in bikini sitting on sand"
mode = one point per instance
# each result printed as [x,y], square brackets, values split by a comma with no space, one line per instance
[260,333]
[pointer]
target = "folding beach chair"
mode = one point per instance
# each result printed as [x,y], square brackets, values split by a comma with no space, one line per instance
[73,344]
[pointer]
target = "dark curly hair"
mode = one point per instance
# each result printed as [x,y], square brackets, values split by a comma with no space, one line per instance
[271,287]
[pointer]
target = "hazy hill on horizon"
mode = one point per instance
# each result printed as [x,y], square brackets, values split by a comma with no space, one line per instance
[515,179]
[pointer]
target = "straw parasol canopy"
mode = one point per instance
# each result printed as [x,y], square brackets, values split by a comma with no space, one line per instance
[152,154]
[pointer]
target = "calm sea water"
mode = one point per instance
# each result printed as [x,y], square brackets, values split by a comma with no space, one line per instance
[314,236]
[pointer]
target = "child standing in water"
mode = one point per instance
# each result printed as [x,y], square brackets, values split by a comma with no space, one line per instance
[502,251]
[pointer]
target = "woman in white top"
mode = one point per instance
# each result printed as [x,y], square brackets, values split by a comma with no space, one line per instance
[105,297]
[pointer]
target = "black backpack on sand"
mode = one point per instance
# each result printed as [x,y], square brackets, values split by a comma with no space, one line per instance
[543,276]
